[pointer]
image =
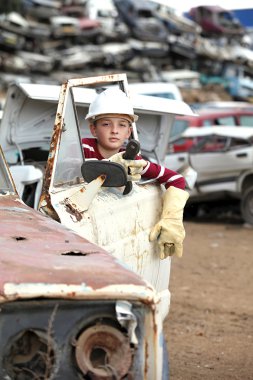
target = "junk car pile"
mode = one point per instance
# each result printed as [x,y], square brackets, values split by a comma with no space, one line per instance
[146,39]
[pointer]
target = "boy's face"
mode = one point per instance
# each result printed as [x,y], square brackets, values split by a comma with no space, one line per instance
[111,132]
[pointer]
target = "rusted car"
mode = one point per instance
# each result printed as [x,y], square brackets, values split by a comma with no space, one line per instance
[84,205]
[69,309]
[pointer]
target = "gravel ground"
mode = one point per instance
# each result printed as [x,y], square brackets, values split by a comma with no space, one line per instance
[209,329]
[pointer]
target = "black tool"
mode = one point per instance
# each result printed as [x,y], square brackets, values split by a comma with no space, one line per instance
[132,149]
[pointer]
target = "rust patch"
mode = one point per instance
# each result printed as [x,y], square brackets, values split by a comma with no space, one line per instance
[71,209]
[104,352]
[46,206]
[54,146]
[146,358]
[40,259]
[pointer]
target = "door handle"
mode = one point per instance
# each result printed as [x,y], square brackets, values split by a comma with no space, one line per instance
[242,155]
[181,158]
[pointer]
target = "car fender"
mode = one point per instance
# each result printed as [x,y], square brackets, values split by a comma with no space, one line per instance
[244,180]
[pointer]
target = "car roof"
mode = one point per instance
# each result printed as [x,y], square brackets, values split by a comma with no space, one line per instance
[226,131]
[223,104]
[221,112]
[215,112]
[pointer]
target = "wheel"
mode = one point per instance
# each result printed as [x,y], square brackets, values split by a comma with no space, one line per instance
[247,205]
[165,368]
[191,211]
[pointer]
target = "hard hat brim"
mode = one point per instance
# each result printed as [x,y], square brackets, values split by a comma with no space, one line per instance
[130,118]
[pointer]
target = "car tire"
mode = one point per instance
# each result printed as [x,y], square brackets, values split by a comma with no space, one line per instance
[166,367]
[191,211]
[247,205]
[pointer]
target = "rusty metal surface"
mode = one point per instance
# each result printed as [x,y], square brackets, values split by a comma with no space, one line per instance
[66,87]
[104,351]
[37,250]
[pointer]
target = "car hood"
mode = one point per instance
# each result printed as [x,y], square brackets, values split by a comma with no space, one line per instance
[42,258]
[228,131]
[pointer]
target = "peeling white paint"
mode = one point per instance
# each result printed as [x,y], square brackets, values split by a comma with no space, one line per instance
[82,291]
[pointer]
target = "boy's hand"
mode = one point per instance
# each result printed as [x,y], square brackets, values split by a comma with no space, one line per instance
[133,168]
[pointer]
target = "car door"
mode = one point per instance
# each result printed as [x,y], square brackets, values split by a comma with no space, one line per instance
[219,160]
[120,224]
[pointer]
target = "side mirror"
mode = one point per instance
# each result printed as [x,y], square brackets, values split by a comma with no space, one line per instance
[115,173]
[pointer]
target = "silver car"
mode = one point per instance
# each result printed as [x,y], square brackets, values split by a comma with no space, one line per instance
[223,160]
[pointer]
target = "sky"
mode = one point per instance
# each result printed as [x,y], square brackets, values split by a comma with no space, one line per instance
[184,6]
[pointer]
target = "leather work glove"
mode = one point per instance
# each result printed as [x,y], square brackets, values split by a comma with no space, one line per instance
[133,168]
[169,231]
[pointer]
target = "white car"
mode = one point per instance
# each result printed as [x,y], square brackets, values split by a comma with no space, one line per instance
[223,159]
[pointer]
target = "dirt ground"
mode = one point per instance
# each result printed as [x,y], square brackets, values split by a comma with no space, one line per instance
[209,329]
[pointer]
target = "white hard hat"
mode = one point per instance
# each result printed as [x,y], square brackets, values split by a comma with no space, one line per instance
[111,101]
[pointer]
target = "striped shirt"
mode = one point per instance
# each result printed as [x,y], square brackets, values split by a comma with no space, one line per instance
[154,171]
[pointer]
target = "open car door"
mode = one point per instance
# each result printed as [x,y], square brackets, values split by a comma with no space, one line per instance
[104,215]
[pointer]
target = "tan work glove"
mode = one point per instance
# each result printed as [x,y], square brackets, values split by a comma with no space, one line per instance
[133,168]
[170,230]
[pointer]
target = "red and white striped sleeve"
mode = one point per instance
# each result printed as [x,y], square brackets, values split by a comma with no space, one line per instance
[163,175]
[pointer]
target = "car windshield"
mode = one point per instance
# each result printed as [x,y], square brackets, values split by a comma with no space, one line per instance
[210,144]
[70,156]
[178,127]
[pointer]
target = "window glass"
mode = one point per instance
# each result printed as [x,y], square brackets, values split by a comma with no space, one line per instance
[70,153]
[237,143]
[178,127]
[182,145]
[213,144]
[228,120]
[246,120]
[208,123]
[185,144]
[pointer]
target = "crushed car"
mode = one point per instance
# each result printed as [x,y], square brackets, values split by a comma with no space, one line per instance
[223,160]
[217,21]
[68,308]
[112,28]
[141,20]
[237,80]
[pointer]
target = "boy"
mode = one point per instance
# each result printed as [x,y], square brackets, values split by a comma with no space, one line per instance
[110,119]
